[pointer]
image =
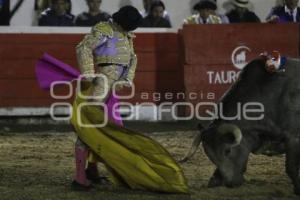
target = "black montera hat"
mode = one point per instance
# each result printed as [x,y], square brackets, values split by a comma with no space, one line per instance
[128,17]
[206,4]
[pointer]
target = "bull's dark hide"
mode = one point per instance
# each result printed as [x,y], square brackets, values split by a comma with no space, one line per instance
[228,143]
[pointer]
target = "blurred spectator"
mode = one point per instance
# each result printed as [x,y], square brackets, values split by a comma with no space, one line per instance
[41,5]
[94,15]
[57,14]
[206,14]
[4,12]
[241,13]
[147,6]
[155,17]
[288,12]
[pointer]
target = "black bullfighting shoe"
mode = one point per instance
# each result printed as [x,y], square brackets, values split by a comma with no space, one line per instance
[79,187]
[96,179]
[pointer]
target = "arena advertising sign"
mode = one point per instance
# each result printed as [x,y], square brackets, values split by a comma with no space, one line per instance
[239,59]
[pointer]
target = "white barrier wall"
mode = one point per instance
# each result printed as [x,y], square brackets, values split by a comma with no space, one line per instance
[178,9]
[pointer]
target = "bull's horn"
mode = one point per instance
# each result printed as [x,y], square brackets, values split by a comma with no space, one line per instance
[193,149]
[231,129]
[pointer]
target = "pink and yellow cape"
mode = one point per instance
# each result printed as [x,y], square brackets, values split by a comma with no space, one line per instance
[132,159]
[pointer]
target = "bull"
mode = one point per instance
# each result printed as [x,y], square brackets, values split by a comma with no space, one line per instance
[228,143]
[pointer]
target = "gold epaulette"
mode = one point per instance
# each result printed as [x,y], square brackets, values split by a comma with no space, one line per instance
[104,28]
[131,35]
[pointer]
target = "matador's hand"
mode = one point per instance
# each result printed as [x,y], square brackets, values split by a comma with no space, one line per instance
[89,77]
[123,82]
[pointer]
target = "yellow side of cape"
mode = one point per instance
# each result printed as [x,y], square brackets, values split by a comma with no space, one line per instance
[132,158]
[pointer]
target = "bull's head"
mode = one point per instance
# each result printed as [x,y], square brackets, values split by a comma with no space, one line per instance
[223,144]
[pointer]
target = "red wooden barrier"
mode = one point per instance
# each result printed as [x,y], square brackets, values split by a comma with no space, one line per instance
[214,44]
[201,61]
[159,69]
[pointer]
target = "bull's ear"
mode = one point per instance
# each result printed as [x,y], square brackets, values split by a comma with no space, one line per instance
[200,127]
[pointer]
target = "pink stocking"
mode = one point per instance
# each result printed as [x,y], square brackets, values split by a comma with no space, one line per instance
[81,155]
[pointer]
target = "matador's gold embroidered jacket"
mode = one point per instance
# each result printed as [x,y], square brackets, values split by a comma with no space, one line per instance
[107,43]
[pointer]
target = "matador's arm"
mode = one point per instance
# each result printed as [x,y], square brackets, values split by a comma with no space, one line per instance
[133,61]
[85,48]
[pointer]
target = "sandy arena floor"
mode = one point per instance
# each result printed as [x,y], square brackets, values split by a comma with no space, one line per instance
[40,167]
